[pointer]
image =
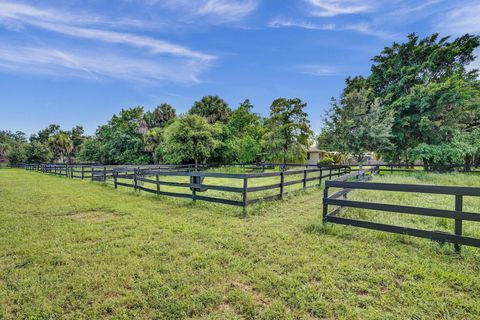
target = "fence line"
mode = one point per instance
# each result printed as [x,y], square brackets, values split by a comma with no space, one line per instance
[140,177]
[458,214]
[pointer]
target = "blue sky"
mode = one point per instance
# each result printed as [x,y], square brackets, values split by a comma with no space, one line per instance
[80,61]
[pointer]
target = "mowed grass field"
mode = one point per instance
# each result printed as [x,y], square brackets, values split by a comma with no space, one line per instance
[80,249]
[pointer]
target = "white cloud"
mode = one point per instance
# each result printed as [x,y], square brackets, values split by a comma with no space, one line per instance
[91,65]
[318,70]
[330,8]
[287,23]
[362,28]
[461,20]
[220,11]
[106,52]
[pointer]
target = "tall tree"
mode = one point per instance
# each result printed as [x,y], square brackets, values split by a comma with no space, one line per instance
[43,135]
[163,115]
[122,138]
[424,83]
[76,134]
[62,146]
[213,108]
[356,125]
[91,150]
[243,135]
[190,138]
[37,152]
[288,130]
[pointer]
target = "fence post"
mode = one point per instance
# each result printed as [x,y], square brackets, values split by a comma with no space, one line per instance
[320,177]
[330,174]
[304,179]
[157,178]
[245,193]
[194,191]
[104,173]
[282,181]
[325,205]
[135,179]
[458,222]
[115,174]
[83,172]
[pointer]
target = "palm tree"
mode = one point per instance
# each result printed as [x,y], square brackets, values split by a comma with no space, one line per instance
[61,145]
[163,114]
[213,108]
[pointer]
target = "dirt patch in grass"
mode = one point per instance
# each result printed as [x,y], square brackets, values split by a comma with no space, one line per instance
[94,216]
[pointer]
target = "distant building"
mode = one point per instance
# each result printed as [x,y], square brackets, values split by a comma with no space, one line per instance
[314,155]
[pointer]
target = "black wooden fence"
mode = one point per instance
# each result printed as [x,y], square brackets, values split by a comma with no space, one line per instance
[458,214]
[152,179]
[138,178]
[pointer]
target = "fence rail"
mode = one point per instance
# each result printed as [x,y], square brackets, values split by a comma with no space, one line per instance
[458,214]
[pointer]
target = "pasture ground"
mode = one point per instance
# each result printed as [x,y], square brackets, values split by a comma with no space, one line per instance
[80,249]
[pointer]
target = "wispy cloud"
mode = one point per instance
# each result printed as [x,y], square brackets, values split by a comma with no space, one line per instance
[330,8]
[90,65]
[162,60]
[318,70]
[461,20]
[363,28]
[220,11]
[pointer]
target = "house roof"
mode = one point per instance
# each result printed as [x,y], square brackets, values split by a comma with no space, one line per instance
[314,149]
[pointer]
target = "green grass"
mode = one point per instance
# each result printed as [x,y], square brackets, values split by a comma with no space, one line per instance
[79,249]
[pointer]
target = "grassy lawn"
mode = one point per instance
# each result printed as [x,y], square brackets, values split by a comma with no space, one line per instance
[80,249]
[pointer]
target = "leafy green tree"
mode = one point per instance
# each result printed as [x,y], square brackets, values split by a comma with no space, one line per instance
[356,125]
[190,138]
[37,152]
[288,134]
[435,156]
[122,138]
[91,150]
[469,143]
[425,83]
[243,135]
[7,140]
[77,137]
[213,108]
[17,153]
[43,135]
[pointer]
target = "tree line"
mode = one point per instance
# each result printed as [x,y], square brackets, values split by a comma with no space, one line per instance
[209,132]
[420,102]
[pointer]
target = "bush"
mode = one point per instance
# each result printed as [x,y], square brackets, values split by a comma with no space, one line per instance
[326,161]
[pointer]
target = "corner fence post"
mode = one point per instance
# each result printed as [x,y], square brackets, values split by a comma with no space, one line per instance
[245,193]
[458,222]
[325,205]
